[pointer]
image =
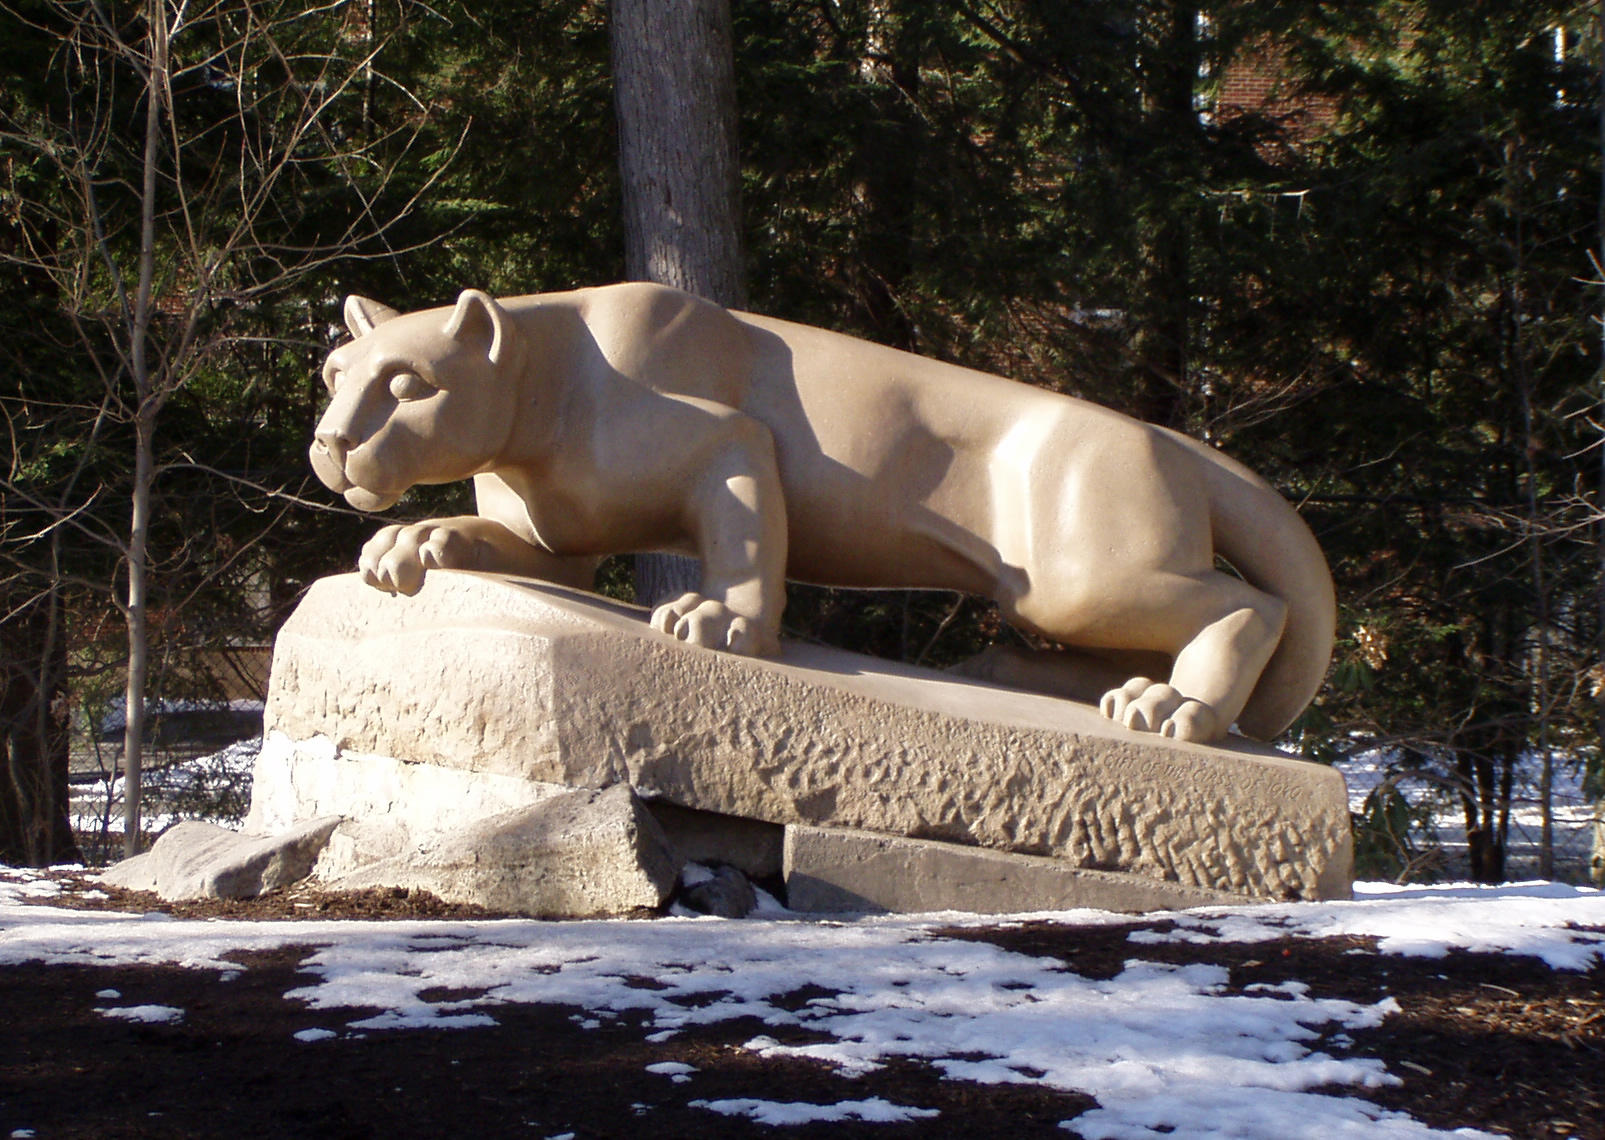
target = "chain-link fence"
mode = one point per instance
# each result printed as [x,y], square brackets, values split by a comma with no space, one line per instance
[198,762]
[1411,825]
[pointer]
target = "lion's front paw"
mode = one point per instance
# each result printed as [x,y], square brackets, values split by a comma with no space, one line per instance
[712,625]
[1151,706]
[395,559]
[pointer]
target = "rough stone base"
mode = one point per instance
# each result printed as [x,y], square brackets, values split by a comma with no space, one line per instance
[195,860]
[855,871]
[486,694]
[580,854]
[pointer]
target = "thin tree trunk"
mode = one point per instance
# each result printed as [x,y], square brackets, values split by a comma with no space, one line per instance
[138,646]
[1507,785]
[675,98]
[24,758]
[1597,862]
[1516,365]
[1540,670]
[144,427]
[54,723]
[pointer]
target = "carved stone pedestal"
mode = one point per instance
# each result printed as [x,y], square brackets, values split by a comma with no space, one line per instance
[416,716]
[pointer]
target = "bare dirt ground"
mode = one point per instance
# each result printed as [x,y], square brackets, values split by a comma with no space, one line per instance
[1499,1043]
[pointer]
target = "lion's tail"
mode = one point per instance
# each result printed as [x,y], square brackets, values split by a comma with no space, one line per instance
[1263,537]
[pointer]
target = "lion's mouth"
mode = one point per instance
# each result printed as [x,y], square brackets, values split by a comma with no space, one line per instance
[332,474]
[366,500]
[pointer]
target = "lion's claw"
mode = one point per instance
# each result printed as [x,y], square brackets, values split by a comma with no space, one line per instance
[711,624]
[396,559]
[1153,706]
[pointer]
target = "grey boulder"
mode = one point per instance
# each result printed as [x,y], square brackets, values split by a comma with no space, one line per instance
[194,860]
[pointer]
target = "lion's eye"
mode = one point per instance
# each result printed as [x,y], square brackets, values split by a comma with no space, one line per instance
[410,386]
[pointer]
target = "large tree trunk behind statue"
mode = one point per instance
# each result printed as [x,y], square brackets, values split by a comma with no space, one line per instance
[34,828]
[675,95]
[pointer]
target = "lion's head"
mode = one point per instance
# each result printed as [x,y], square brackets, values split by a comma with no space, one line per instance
[417,398]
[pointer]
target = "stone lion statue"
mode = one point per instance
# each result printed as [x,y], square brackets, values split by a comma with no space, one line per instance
[636,417]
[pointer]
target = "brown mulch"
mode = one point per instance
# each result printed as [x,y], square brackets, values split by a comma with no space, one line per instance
[288,904]
[283,904]
[1495,1042]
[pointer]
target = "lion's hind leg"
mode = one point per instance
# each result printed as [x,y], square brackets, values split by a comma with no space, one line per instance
[1227,631]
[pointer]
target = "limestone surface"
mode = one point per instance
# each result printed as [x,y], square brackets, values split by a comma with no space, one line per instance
[829,870]
[392,799]
[580,854]
[194,860]
[515,680]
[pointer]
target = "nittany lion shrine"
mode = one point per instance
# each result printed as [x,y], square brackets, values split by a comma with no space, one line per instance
[462,716]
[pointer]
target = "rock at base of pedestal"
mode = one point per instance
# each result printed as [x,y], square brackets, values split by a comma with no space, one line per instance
[828,870]
[751,846]
[580,854]
[194,860]
[723,892]
[302,779]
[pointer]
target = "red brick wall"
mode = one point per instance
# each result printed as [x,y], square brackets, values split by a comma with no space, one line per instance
[1256,82]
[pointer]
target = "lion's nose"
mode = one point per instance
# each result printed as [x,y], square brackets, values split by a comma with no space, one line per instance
[334,441]
[328,452]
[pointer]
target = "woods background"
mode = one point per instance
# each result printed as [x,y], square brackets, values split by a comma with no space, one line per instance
[1353,245]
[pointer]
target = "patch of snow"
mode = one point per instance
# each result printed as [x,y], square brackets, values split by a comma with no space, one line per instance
[768,904]
[693,873]
[314,1034]
[214,787]
[671,1068]
[973,1010]
[22,1134]
[1515,918]
[149,1014]
[772,1112]
[108,995]
[1249,1114]
[17,883]
[420,1015]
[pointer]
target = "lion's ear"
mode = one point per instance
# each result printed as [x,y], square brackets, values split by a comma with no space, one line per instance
[363,315]
[480,324]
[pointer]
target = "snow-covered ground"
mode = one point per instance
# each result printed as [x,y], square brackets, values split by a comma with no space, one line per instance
[1166,1050]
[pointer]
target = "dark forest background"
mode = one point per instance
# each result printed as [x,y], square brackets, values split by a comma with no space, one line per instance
[1353,245]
